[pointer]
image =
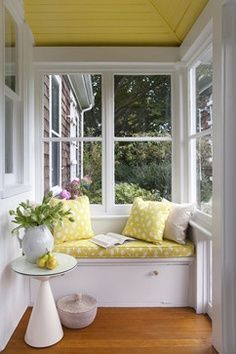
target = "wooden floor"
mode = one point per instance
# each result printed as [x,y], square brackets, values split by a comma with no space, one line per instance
[129,331]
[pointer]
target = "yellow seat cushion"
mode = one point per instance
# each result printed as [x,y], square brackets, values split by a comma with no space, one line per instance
[147,220]
[134,249]
[81,228]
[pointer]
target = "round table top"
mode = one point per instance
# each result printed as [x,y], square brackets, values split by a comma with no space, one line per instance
[22,266]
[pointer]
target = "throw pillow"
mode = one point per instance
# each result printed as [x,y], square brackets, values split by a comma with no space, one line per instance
[147,220]
[177,221]
[81,228]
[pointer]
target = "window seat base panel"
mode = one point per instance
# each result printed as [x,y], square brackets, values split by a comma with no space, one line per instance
[165,282]
[133,249]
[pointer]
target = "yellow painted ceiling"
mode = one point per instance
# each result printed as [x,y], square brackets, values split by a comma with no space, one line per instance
[111,22]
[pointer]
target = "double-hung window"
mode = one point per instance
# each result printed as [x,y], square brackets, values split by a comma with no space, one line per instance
[142,137]
[201,132]
[201,140]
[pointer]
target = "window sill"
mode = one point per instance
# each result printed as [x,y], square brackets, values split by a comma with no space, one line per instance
[12,190]
[202,219]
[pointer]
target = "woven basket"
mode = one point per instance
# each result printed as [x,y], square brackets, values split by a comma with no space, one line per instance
[77,310]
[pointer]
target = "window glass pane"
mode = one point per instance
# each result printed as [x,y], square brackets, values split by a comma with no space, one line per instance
[78,106]
[142,105]
[10,52]
[55,161]
[204,174]
[8,135]
[55,105]
[80,160]
[75,160]
[93,117]
[204,95]
[46,106]
[46,167]
[142,169]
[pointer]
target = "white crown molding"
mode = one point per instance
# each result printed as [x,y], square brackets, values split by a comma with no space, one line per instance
[163,55]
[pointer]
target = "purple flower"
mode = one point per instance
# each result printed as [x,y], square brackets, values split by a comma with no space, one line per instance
[65,194]
[75,182]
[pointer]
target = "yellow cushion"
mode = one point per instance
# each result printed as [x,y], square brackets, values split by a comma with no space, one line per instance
[81,228]
[134,249]
[147,220]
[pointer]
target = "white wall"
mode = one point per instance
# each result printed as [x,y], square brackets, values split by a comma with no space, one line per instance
[14,289]
[228,202]
[212,16]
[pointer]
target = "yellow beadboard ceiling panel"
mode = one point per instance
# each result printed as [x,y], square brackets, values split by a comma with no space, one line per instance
[111,22]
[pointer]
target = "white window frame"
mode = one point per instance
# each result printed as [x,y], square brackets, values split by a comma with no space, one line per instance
[17,182]
[107,140]
[54,188]
[111,140]
[107,71]
[193,136]
[201,218]
[14,178]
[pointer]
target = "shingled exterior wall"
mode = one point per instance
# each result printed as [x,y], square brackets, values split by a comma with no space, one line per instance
[65,130]
[46,131]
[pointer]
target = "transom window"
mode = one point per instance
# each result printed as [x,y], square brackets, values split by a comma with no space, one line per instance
[115,128]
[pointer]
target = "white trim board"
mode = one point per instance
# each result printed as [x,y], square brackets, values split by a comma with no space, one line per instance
[106,55]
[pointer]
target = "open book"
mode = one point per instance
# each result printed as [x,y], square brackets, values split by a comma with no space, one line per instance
[110,239]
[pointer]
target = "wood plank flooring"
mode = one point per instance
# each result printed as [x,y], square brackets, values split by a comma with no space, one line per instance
[129,331]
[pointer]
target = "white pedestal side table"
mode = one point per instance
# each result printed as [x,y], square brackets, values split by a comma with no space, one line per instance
[44,327]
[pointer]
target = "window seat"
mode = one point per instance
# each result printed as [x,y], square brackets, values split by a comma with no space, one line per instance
[135,274]
[134,249]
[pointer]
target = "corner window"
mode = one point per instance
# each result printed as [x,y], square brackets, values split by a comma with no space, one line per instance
[201,132]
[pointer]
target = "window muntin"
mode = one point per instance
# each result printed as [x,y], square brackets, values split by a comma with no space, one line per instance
[142,124]
[11,79]
[201,132]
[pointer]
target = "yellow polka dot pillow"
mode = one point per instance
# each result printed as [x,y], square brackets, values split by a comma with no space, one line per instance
[147,220]
[81,228]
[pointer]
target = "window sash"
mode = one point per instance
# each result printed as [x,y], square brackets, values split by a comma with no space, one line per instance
[193,134]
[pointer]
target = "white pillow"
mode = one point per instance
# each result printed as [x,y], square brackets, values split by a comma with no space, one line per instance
[177,222]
